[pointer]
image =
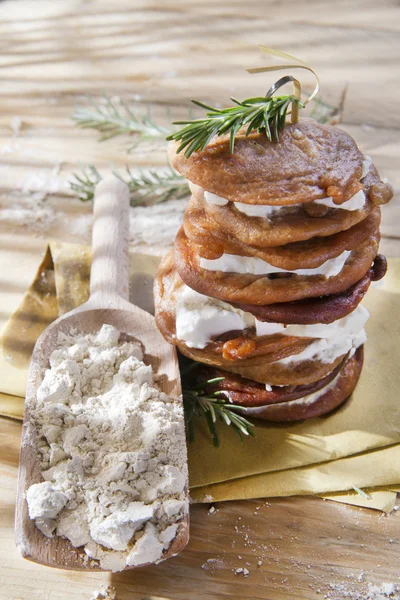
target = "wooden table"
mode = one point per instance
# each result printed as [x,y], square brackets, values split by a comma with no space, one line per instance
[52,53]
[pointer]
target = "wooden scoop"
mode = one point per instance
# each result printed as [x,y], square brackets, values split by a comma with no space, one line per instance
[108,303]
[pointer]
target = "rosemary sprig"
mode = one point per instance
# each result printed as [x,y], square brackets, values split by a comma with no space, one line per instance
[116,117]
[145,185]
[258,114]
[198,403]
[361,492]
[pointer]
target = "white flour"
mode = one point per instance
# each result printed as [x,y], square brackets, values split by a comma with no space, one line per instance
[109,593]
[113,452]
[44,212]
[155,225]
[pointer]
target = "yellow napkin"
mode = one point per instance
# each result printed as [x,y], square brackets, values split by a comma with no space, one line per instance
[376,468]
[318,456]
[37,310]
[383,500]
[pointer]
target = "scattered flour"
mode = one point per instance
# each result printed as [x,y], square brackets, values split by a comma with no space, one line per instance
[242,571]
[16,126]
[383,591]
[213,564]
[113,452]
[109,593]
[152,228]
[156,225]
[32,212]
[208,498]
[44,182]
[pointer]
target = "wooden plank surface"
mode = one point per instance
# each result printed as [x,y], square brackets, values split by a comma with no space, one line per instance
[308,549]
[52,54]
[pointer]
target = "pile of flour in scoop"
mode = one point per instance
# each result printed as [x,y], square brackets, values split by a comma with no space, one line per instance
[113,452]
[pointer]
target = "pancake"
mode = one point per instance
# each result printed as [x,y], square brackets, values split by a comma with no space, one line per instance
[264,289]
[295,224]
[257,369]
[311,161]
[211,241]
[325,309]
[289,404]
[249,394]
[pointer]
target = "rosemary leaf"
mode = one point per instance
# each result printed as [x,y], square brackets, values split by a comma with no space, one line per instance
[361,492]
[113,117]
[214,407]
[146,186]
[258,114]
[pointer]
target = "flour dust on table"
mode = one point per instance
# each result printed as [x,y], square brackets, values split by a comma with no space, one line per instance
[113,452]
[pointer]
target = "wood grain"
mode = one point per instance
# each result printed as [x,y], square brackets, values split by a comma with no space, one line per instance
[52,54]
[305,545]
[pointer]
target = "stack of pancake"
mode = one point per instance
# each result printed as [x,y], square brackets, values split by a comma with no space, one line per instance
[264,285]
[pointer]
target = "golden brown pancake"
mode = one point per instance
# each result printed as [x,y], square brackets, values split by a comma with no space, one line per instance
[295,410]
[211,241]
[325,309]
[286,404]
[311,161]
[274,373]
[292,226]
[266,289]
[248,393]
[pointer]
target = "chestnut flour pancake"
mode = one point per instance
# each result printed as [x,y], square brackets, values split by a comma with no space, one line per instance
[262,289]
[308,163]
[304,254]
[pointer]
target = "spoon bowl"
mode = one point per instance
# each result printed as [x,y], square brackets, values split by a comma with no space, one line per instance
[107,304]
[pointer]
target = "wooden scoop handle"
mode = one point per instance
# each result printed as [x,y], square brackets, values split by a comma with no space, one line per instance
[109,275]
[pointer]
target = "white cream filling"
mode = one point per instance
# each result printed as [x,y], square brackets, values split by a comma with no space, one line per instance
[268,387]
[356,202]
[261,210]
[199,318]
[214,199]
[353,322]
[327,350]
[251,265]
[305,400]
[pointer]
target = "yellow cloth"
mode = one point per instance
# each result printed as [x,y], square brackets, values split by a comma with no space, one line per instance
[370,469]
[11,406]
[319,456]
[383,500]
[37,310]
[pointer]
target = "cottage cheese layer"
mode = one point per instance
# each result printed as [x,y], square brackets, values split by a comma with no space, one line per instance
[113,452]
[252,265]
[200,318]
